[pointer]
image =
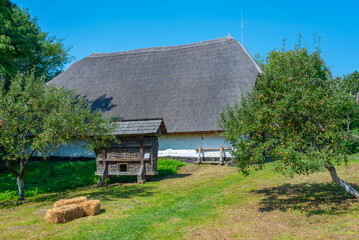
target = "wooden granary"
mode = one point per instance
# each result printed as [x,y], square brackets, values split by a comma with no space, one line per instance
[136,154]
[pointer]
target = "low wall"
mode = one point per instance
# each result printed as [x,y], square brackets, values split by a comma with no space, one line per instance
[183,146]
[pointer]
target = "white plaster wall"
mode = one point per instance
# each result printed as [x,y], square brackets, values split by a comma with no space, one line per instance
[185,145]
[169,146]
[70,150]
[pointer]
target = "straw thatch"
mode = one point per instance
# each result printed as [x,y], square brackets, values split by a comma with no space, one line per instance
[64,213]
[91,207]
[63,202]
[188,85]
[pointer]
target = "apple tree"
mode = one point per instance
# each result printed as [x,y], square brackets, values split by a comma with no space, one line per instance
[35,117]
[295,115]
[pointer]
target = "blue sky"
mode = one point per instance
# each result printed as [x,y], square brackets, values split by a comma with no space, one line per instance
[111,26]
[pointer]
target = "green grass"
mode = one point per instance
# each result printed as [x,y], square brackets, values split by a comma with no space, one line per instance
[201,202]
[50,177]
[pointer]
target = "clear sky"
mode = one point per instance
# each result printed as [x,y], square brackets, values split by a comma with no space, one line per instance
[115,25]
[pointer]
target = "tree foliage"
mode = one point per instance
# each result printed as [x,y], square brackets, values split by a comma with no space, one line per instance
[24,47]
[350,83]
[294,116]
[35,117]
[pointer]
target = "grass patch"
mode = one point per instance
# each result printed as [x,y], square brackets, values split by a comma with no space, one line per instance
[47,177]
[202,202]
[50,177]
[166,166]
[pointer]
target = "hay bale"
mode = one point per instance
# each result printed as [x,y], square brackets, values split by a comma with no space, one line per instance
[64,213]
[91,207]
[63,202]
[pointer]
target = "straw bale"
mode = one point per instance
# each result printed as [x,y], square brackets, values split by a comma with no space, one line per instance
[91,207]
[64,213]
[63,202]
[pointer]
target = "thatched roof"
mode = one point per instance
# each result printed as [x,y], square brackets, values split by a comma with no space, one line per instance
[140,127]
[188,85]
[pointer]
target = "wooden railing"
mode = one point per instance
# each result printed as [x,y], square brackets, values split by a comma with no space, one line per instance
[221,149]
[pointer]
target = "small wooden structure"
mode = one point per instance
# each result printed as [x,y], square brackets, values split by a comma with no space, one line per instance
[136,154]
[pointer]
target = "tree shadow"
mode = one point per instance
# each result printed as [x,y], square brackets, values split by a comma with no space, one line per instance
[111,192]
[311,198]
[170,176]
[103,103]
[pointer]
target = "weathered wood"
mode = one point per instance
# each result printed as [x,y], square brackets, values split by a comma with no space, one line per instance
[143,164]
[125,173]
[199,154]
[221,154]
[141,175]
[135,151]
[126,160]
[103,176]
[213,149]
[232,160]
[103,154]
[215,162]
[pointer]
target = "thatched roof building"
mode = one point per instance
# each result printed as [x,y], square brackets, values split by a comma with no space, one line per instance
[188,85]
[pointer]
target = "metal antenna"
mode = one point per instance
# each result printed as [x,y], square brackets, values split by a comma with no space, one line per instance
[242,28]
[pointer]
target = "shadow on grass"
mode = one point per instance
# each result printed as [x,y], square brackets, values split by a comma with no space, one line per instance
[313,199]
[55,180]
[106,193]
[158,178]
[121,187]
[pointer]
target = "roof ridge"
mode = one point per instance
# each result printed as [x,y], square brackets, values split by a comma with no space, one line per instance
[165,48]
[250,57]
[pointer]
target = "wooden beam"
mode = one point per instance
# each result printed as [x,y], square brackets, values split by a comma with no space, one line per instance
[199,154]
[142,155]
[213,149]
[126,160]
[103,154]
[221,154]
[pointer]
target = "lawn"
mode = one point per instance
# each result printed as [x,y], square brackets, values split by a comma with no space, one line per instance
[200,202]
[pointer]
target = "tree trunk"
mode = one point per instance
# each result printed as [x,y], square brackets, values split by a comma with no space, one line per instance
[346,186]
[20,184]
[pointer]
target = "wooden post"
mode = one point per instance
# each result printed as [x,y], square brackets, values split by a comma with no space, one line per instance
[232,161]
[221,154]
[104,170]
[199,154]
[103,155]
[103,176]
[141,175]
